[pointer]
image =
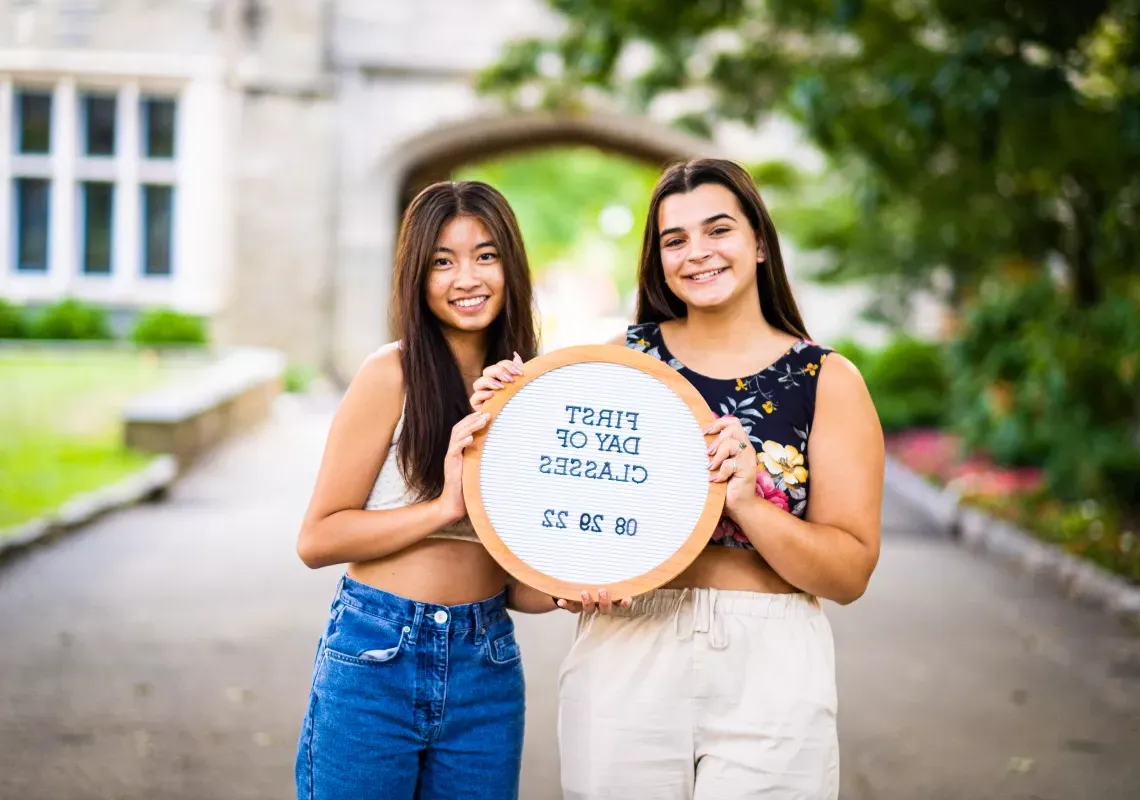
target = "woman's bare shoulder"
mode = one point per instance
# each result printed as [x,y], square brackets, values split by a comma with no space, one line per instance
[379,382]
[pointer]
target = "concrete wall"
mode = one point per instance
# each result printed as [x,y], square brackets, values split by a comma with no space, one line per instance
[283,183]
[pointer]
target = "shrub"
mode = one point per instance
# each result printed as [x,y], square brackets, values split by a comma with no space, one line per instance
[298,378]
[907,380]
[1040,381]
[909,384]
[13,325]
[164,326]
[71,320]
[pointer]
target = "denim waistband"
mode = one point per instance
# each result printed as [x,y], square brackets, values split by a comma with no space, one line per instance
[392,607]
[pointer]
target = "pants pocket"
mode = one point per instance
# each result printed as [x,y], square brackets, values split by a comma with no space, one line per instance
[500,647]
[356,637]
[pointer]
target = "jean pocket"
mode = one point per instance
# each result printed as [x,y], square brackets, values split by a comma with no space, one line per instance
[360,638]
[503,648]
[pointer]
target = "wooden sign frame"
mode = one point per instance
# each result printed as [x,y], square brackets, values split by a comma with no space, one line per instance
[472,460]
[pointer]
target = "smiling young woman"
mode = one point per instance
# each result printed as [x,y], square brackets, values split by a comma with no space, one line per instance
[421,614]
[722,684]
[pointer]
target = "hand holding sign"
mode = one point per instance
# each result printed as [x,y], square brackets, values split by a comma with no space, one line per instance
[593,473]
[494,378]
[462,435]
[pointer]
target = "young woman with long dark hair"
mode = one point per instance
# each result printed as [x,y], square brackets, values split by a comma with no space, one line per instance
[722,684]
[417,686]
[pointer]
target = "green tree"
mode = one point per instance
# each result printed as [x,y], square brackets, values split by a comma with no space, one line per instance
[586,181]
[961,134]
[995,143]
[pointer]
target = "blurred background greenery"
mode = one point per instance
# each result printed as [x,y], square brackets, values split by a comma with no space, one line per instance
[576,205]
[988,153]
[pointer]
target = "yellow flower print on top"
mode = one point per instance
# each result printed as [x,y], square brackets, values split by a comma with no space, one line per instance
[768,407]
[741,385]
[643,343]
[822,358]
[784,461]
[811,369]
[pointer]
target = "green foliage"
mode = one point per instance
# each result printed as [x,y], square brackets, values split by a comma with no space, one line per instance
[13,324]
[986,149]
[959,134]
[1039,380]
[60,423]
[909,384]
[555,224]
[164,326]
[777,175]
[1085,528]
[907,380]
[298,378]
[71,319]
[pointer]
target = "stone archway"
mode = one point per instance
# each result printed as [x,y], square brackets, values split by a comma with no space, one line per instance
[362,279]
[436,156]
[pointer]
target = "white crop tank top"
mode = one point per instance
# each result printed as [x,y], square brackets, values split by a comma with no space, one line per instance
[390,491]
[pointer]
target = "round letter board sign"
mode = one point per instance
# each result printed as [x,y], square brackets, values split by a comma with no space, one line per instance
[593,473]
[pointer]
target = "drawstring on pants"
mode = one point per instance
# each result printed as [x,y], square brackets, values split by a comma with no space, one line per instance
[705,619]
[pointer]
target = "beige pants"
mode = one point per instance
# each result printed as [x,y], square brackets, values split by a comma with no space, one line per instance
[700,694]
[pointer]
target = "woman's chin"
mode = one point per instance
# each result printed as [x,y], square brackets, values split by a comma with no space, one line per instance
[709,297]
[470,323]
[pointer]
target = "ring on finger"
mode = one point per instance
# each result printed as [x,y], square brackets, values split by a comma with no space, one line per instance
[735,466]
[742,445]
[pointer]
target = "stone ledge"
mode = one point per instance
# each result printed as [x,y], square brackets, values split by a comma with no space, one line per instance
[151,480]
[938,507]
[1075,577]
[188,418]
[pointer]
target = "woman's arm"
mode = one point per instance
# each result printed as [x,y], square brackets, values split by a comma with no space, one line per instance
[527,599]
[335,529]
[832,552]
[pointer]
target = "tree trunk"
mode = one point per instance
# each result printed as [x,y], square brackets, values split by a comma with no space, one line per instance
[1088,208]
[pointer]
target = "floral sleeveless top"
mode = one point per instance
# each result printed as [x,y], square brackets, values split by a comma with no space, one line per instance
[775,406]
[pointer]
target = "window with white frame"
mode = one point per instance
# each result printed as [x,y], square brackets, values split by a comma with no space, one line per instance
[116,156]
[33,121]
[31,178]
[96,172]
[158,117]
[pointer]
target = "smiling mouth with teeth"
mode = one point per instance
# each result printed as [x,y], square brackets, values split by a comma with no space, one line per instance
[701,277]
[470,302]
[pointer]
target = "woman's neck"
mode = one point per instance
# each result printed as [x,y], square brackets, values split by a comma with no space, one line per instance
[470,351]
[709,328]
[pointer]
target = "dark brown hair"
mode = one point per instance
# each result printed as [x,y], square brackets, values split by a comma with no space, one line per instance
[435,394]
[656,302]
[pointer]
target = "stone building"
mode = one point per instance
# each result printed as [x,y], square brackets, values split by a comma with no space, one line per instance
[248,159]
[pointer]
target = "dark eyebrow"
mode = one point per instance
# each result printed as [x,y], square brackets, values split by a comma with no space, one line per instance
[479,246]
[708,221]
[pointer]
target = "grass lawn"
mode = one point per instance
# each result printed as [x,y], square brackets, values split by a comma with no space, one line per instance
[60,433]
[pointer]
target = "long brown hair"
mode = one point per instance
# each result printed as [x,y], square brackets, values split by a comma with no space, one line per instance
[656,302]
[435,395]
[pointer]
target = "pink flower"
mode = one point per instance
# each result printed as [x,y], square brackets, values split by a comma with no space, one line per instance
[727,529]
[766,488]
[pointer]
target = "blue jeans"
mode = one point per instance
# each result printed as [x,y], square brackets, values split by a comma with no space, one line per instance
[413,700]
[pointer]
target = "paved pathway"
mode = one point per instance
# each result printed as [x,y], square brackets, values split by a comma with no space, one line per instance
[164,653]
